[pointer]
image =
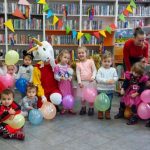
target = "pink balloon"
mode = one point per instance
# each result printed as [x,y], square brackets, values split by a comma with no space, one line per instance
[144,111]
[7,80]
[145,96]
[89,94]
[68,102]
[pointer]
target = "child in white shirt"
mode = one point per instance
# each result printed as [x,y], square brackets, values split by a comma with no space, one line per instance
[106,78]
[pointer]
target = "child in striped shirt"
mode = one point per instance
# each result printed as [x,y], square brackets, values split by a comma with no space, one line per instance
[106,78]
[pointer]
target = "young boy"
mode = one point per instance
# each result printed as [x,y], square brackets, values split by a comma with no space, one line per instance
[9,108]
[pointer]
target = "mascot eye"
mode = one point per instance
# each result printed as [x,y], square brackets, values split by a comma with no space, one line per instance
[44,49]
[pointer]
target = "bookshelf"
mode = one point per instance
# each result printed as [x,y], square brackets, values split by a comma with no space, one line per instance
[20,39]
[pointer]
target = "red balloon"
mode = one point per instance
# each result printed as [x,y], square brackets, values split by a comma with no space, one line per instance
[2,87]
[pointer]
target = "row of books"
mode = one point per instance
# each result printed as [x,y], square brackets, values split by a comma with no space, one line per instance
[136,0]
[34,9]
[72,23]
[92,25]
[131,23]
[141,10]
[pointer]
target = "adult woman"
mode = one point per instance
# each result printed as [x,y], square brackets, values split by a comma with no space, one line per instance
[135,49]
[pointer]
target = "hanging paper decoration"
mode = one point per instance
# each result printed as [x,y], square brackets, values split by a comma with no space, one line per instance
[65,11]
[18,13]
[67,29]
[88,36]
[113,26]
[108,29]
[122,17]
[9,25]
[55,19]
[91,13]
[102,32]
[96,34]
[24,2]
[126,12]
[49,14]
[74,33]
[129,9]
[60,24]
[80,34]
[42,2]
[46,8]
[132,3]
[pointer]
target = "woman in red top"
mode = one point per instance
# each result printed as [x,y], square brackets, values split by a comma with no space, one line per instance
[135,49]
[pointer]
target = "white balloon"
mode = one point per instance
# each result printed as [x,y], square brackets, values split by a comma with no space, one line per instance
[56,98]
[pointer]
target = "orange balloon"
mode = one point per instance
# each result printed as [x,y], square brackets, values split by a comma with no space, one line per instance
[127,113]
[48,110]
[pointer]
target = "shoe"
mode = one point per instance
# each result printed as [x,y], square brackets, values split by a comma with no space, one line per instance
[19,135]
[107,115]
[100,115]
[121,111]
[91,112]
[71,112]
[83,111]
[133,120]
[57,108]
[148,123]
[63,112]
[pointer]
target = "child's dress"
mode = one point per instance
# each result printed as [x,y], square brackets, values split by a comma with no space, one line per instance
[26,103]
[65,71]
[131,85]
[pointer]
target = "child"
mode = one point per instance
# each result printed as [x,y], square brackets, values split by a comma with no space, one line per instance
[86,72]
[11,69]
[106,79]
[9,108]
[25,71]
[29,102]
[132,87]
[63,74]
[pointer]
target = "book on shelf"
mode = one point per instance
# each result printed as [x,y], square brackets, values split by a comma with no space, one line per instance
[2,7]
[92,25]
[2,39]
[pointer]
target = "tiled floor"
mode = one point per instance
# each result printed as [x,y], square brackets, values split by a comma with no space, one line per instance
[82,133]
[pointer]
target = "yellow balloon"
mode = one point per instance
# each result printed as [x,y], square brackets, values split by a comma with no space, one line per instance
[48,110]
[17,122]
[11,57]
[127,113]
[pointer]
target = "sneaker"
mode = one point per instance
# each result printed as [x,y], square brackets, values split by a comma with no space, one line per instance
[71,112]
[83,111]
[19,135]
[132,121]
[107,115]
[100,115]
[63,112]
[91,112]
[119,115]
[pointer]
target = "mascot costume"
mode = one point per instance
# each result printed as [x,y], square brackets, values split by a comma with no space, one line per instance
[43,73]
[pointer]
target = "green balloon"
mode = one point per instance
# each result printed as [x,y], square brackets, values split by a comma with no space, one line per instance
[11,57]
[102,102]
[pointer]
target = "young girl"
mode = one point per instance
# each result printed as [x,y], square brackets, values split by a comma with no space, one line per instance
[106,79]
[132,87]
[25,71]
[63,74]
[29,102]
[9,108]
[86,72]
[11,69]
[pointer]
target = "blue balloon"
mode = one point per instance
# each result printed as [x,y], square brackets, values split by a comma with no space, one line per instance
[35,117]
[21,85]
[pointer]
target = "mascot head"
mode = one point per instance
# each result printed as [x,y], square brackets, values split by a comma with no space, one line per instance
[43,51]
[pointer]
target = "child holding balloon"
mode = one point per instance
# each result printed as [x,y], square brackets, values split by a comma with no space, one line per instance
[132,87]
[29,102]
[86,72]
[8,109]
[106,78]
[63,74]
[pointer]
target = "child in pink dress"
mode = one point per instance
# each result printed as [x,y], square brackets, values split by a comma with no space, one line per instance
[132,87]
[63,74]
[86,72]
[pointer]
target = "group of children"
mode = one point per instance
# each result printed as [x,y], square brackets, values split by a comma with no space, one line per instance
[87,74]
